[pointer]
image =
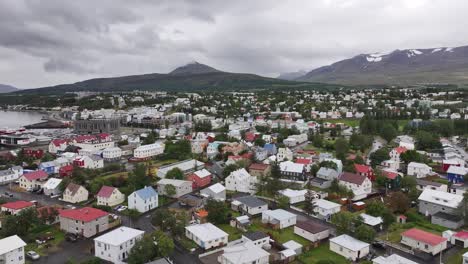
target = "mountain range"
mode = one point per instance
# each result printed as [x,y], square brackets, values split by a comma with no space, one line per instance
[7,88]
[191,77]
[399,67]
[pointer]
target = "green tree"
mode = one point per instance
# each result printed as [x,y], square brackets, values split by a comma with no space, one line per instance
[144,250]
[138,178]
[399,202]
[163,219]
[175,173]
[259,142]
[378,156]
[283,202]
[341,148]
[388,132]
[375,208]
[150,139]
[343,221]
[170,190]
[47,157]
[408,182]
[217,211]
[310,205]
[229,168]
[411,156]
[179,150]
[365,233]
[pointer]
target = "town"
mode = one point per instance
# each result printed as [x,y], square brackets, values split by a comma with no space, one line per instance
[300,176]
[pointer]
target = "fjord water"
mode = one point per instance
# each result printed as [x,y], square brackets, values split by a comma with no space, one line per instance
[15,119]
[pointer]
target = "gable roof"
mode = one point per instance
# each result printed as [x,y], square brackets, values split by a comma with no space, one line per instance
[217,188]
[258,166]
[17,205]
[400,150]
[311,226]
[146,193]
[423,236]
[106,191]
[11,243]
[349,242]
[73,188]
[362,168]
[35,175]
[352,178]
[441,198]
[85,214]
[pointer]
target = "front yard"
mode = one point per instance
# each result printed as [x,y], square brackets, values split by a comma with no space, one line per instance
[282,235]
[322,252]
[50,246]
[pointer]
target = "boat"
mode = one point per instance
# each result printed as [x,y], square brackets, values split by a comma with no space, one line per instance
[16,140]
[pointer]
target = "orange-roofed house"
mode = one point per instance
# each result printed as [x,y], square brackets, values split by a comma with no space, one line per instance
[424,241]
[85,222]
[259,169]
[201,215]
[14,208]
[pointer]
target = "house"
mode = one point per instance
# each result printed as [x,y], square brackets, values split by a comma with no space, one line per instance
[460,239]
[181,187]
[115,245]
[52,187]
[110,196]
[212,150]
[284,154]
[419,170]
[421,185]
[250,205]
[270,148]
[294,196]
[33,153]
[200,178]
[392,259]
[89,162]
[86,221]
[244,253]
[186,166]
[241,181]
[365,170]
[393,178]
[259,169]
[260,154]
[206,235]
[325,209]
[12,250]
[143,200]
[216,191]
[324,178]
[148,151]
[311,230]
[455,174]
[10,175]
[258,238]
[432,202]
[75,193]
[349,247]
[360,185]
[372,221]
[279,218]
[14,208]
[424,241]
[391,165]
[198,145]
[395,157]
[58,145]
[48,167]
[289,246]
[33,180]
[112,154]
[307,162]
[66,171]
[292,171]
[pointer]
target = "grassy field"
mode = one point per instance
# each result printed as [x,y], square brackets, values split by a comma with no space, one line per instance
[233,232]
[456,258]
[282,236]
[53,245]
[347,121]
[395,235]
[322,252]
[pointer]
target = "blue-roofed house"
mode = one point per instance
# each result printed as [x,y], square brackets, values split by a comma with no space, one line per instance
[271,149]
[48,167]
[143,200]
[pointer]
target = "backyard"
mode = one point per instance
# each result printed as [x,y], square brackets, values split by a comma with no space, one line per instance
[321,252]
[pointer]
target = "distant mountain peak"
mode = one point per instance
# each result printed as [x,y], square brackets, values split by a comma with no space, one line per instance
[291,75]
[193,67]
[7,88]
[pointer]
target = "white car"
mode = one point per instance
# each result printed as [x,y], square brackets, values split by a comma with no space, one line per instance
[122,208]
[32,255]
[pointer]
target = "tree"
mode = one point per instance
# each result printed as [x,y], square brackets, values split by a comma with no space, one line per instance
[144,250]
[230,168]
[150,139]
[19,224]
[408,182]
[343,222]
[328,164]
[138,178]
[283,202]
[365,233]
[217,211]
[317,141]
[47,157]
[274,183]
[341,148]
[375,208]
[427,141]
[399,202]
[163,218]
[411,156]
[310,205]
[259,142]
[179,150]
[175,173]
[378,156]
[165,244]
[388,132]
[170,190]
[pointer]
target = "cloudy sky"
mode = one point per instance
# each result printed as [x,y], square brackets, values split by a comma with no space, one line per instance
[55,41]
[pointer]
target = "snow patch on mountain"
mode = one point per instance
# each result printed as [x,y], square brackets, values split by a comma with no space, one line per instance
[449,49]
[436,50]
[375,57]
[413,52]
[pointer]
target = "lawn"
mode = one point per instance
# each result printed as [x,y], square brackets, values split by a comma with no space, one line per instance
[395,235]
[282,235]
[347,121]
[233,232]
[456,258]
[322,252]
[187,243]
[53,244]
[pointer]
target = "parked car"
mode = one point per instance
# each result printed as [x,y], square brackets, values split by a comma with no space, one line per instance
[71,237]
[32,255]
[55,196]
[7,194]
[122,208]
[44,238]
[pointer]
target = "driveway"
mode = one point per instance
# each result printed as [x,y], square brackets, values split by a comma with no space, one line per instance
[78,251]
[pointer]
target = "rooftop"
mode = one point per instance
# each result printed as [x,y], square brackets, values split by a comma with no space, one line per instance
[10,243]
[206,232]
[423,236]
[119,236]
[250,201]
[349,242]
[85,214]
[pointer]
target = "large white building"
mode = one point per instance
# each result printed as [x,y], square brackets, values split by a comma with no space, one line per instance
[279,218]
[112,153]
[206,235]
[359,184]
[10,175]
[12,250]
[244,253]
[419,170]
[115,245]
[349,247]
[325,209]
[147,151]
[143,200]
[241,181]
[181,187]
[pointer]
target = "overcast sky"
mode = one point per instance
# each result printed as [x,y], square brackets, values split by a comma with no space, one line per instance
[55,41]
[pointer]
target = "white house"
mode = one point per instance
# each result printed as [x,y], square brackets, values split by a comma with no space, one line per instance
[244,253]
[284,154]
[292,170]
[294,196]
[279,218]
[181,187]
[249,204]
[424,241]
[241,181]
[75,193]
[112,153]
[10,175]
[359,184]
[12,250]
[150,150]
[115,245]
[349,247]
[392,259]
[206,235]
[419,170]
[51,187]
[312,231]
[143,200]
[89,162]
[216,191]
[110,196]
[325,209]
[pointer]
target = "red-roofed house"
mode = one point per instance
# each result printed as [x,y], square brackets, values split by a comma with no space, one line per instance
[460,239]
[200,178]
[14,208]
[306,162]
[250,136]
[259,169]
[360,185]
[58,145]
[33,153]
[393,178]
[110,196]
[66,171]
[33,180]
[424,241]
[365,171]
[85,221]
